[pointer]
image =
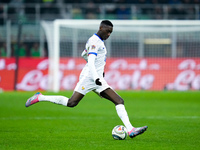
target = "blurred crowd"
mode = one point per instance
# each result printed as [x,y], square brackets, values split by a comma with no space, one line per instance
[25,49]
[107,1]
[90,9]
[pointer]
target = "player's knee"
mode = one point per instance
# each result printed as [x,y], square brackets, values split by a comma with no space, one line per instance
[119,101]
[72,103]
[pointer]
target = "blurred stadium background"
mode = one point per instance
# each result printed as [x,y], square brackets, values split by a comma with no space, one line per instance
[175,62]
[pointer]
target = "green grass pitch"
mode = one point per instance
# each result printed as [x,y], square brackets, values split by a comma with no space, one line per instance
[173,119]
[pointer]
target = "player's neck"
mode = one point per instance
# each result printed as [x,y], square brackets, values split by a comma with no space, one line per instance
[99,35]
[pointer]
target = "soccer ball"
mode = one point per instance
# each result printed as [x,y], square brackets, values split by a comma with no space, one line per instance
[119,132]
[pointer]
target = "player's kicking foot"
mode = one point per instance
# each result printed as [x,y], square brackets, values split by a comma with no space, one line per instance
[32,100]
[137,131]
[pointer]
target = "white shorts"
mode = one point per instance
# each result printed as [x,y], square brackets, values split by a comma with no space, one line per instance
[87,84]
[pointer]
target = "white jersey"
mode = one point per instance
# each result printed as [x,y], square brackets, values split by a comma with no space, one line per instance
[96,47]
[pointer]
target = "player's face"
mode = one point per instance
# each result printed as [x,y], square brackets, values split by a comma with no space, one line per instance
[106,32]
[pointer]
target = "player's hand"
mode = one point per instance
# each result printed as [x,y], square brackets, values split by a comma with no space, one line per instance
[98,82]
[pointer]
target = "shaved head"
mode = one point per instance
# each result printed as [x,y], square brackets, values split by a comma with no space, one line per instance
[106,22]
[105,29]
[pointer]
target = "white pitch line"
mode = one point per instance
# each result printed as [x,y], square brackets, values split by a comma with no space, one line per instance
[174,117]
[89,118]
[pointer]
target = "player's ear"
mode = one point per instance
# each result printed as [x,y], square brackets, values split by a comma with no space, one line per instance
[100,28]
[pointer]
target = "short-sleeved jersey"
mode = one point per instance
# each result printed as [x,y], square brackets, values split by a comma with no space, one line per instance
[95,46]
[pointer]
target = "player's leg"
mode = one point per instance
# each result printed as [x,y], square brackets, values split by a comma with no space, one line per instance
[119,105]
[82,87]
[75,99]
[121,111]
[57,99]
[112,96]
[38,97]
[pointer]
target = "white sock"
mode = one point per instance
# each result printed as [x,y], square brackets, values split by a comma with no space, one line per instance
[62,100]
[121,111]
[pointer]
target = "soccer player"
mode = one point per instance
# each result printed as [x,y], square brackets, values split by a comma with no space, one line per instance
[91,79]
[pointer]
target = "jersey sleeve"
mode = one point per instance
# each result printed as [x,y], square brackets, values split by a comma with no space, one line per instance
[92,47]
[91,62]
[92,50]
[85,54]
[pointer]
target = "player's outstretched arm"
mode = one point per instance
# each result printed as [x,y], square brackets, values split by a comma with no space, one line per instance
[91,61]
